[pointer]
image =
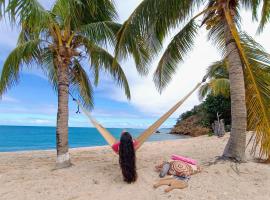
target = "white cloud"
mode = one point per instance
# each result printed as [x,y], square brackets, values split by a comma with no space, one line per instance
[41,121]
[8,99]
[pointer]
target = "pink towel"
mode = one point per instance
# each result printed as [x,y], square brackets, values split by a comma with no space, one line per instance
[184,159]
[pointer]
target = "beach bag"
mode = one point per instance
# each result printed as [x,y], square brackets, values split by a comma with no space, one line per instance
[180,168]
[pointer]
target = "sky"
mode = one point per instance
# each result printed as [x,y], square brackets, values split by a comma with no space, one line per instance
[33,102]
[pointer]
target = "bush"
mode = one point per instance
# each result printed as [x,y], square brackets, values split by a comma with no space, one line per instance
[217,104]
[206,112]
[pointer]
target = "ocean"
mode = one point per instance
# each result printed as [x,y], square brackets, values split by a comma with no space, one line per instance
[25,138]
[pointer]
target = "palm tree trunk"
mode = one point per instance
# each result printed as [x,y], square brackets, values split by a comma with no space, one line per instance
[63,158]
[235,148]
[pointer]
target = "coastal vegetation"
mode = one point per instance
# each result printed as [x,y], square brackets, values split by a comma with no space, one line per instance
[153,20]
[198,121]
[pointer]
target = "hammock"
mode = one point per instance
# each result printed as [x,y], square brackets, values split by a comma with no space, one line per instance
[111,140]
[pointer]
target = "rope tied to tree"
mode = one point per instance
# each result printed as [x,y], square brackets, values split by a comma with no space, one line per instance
[74,99]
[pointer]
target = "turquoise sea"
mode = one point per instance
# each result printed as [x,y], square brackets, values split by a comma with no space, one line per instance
[25,138]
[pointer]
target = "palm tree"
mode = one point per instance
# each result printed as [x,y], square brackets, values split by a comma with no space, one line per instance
[153,20]
[57,41]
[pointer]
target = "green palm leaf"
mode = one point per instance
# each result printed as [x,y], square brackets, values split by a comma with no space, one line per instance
[49,67]
[265,16]
[220,86]
[218,83]
[27,54]
[101,59]
[218,69]
[180,45]
[133,44]
[101,32]
[252,5]
[30,11]
[2,8]
[143,32]
[80,12]
[80,82]
[257,81]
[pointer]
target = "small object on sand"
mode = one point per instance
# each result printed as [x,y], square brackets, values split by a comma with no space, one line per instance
[184,159]
[172,183]
[219,128]
[178,168]
[164,170]
[95,181]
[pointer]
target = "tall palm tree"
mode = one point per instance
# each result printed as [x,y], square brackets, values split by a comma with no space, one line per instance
[153,19]
[57,41]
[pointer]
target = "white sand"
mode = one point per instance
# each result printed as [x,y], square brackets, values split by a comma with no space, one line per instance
[96,174]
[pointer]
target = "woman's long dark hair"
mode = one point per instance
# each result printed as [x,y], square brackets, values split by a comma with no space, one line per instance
[127,158]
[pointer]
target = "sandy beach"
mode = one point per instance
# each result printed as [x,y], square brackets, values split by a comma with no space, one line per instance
[96,175]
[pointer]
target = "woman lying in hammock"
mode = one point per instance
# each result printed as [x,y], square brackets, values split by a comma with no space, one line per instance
[127,147]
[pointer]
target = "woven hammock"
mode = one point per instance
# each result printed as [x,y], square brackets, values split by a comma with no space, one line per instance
[110,139]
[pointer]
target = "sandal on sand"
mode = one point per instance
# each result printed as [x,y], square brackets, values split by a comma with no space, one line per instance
[172,183]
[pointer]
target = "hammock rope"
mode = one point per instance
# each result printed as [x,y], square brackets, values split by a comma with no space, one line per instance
[111,140]
[103,131]
[148,132]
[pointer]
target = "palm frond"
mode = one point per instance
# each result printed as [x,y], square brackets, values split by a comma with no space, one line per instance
[204,90]
[101,59]
[180,45]
[218,69]
[147,27]
[102,33]
[23,54]
[254,51]
[135,45]
[217,35]
[49,67]
[81,12]
[215,87]
[2,8]
[252,5]
[218,83]
[220,86]
[265,16]
[257,81]
[30,11]
[80,84]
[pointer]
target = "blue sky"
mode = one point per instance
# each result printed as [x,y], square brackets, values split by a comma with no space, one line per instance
[33,101]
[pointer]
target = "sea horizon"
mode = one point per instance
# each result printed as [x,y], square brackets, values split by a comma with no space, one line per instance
[51,126]
[27,138]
